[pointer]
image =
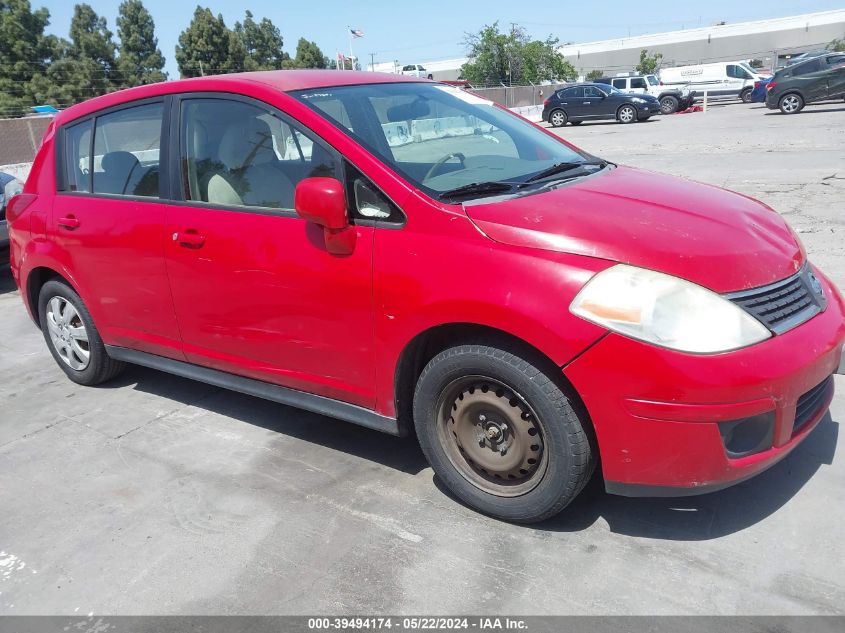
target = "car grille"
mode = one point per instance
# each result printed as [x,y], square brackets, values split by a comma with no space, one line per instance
[784,304]
[811,402]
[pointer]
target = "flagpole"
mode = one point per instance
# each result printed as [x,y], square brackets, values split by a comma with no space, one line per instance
[351,55]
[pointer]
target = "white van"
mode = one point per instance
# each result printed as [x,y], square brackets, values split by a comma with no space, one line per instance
[722,79]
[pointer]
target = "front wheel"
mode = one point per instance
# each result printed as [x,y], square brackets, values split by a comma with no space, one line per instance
[791,104]
[500,433]
[627,114]
[745,95]
[71,336]
[558,118]
[669,104]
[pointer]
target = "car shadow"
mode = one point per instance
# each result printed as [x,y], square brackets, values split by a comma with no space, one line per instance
[810,109]
[696,518]
[701,517]
[399,453]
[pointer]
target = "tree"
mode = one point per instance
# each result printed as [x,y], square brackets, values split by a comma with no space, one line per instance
[595,74]
[262,43]
[837,45]
[512,58]
[93,49]
[140,61]
[24,53]
[649,63]
[208,47]
[309,55]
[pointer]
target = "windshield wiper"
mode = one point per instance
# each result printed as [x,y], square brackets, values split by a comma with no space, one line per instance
[476,189]
[559,168]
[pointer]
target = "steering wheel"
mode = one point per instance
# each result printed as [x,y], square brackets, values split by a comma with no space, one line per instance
[442,161]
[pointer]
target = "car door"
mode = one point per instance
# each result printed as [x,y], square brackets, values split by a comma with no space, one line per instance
[572,101]
[811,79]
[108,224]
[256,291]
[638,85]
[594,105]
[835,76]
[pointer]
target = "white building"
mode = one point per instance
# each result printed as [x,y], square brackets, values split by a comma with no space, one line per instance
[766,40]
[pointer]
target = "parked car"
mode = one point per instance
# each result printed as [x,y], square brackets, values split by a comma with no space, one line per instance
[596,102]
[527,308]
[9,186]
[758,94]
[816,79]
[722,79]
[416,70]
[671,99]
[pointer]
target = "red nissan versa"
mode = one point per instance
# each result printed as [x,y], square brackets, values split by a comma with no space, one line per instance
[407,256]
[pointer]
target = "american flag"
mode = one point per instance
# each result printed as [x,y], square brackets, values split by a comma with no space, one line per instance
[356,32]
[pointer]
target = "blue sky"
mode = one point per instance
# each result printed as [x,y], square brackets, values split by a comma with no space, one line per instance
[427,30]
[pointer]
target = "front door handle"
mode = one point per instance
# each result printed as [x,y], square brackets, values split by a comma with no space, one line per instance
[69,222]
[189,239]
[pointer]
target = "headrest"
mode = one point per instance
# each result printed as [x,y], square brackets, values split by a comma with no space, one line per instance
[119,162]
[246,142]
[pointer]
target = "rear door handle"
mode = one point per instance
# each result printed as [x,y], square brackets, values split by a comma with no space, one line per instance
[189,239]
[69,222]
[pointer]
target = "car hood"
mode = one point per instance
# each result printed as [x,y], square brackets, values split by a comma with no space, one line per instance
[716,238]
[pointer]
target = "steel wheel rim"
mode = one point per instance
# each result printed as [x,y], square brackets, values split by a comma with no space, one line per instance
[626,114]
[790,103]
[557,118]
[67,333]
[477,419]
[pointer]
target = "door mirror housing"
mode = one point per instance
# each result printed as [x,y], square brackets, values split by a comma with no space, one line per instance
[322,201]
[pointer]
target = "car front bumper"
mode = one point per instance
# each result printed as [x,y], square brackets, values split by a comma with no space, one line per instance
[648,109]
[664,419]
[4,235]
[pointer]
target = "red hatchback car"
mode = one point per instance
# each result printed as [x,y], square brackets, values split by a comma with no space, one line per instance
[407,256]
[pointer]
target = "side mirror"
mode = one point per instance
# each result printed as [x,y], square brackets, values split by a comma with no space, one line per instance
[323,202]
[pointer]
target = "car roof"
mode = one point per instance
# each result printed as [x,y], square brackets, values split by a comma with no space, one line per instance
[282,80]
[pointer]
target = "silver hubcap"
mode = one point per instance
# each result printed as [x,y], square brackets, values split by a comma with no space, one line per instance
[626,115]
[557,118]
[68,333]
[790,104]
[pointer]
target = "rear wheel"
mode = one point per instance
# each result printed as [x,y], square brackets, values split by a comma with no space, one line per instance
[668,104]
[745,95]
[500,433]
[626,114]
[71,336]
[791,103]
[558,118]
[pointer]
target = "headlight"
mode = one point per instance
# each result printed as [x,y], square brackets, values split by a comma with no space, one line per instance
[638,100]
[666,311]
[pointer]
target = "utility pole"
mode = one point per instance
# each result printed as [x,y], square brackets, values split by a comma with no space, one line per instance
[372,61]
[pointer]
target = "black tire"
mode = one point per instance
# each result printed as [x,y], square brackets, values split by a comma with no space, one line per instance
[430,77]
[745,95]
[669,104]
[100,366]
[567,458]
[575,122]
[558,118]
[791,103]
[622,118]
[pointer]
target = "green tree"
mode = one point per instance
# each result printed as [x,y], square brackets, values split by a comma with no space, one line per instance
[512,58]
[594,74]
[140,61]
[208,47]
[25,53]
[93,49]
[837,45]
[262,43]
[649,63]
[309,55]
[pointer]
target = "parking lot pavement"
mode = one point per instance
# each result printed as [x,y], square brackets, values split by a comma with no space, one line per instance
[155,494]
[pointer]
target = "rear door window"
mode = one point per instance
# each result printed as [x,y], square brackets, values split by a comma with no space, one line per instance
[619,83]
[77,157]
[806,68]
[639,82]
[127,151]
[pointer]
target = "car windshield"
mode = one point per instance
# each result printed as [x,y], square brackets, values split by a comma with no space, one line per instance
[439,137]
